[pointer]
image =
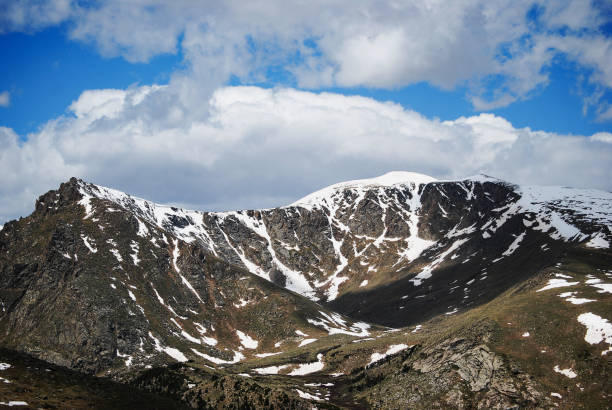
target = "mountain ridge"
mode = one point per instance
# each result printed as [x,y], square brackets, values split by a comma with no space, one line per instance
[117,286]
[211,228]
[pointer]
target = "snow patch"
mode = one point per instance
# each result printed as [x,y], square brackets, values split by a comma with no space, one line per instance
[170,351]
[175,255]
[190,338]
[514,245]
[89,246]
[389,179]
[127,357]
[246,340]
[262,355]
[191,288]
[598,330]
[237,357]
[134,253]
[117,255]
[605,287]
[270,369]
[308,368]
[393,349]
[579,301]
[427,271]
[334,324]
[143,231]
[159,298]
[307,396]
[566,372]
[241,303]
[86,203]
[557,283]
[598,241]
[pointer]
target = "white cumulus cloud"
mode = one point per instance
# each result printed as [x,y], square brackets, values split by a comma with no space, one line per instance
[254,147]
[473,43]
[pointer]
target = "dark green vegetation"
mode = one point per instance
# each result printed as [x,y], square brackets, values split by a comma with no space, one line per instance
[166,320]
[45,385]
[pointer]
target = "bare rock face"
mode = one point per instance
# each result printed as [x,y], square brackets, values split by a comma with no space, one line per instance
[96,289]
[201,389]
[477,365]
[482,371]
[354,244]
[278,278]
[455,373]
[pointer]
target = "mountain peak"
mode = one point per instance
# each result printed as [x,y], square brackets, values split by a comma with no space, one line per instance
[386,180]
[394,178]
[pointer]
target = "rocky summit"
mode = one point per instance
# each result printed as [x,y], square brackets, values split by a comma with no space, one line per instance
[393,292]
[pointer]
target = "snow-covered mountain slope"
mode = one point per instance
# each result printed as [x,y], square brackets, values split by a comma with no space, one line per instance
[351,235]
[106,283]
[103,291]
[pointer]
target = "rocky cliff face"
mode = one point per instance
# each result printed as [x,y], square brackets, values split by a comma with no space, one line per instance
[95,288]
[105,283]
[403,237]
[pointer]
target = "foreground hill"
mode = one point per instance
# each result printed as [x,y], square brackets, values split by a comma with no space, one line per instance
[499,295]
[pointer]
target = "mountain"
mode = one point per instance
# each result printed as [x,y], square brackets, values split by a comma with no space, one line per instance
[403,287]
[402,235]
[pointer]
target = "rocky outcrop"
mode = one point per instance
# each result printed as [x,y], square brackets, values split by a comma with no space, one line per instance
[460,372]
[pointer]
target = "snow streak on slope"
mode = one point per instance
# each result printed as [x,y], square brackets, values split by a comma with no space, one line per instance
[356,229]
[559,209]
[339,202]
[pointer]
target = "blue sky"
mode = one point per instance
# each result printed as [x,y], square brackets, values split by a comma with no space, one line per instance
[47,72]
[223,105]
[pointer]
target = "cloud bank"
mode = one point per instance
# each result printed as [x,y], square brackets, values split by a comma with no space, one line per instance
[500,51]
[253,147]
[204,145]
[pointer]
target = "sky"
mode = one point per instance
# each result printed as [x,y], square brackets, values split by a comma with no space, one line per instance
[236,105]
